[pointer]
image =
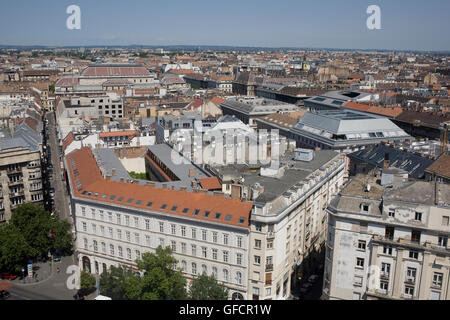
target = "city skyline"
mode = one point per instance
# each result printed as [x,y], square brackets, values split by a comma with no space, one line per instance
[416,27]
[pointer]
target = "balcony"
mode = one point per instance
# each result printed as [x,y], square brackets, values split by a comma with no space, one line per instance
[14,171]
[384,275]
[16,194]
[270,234]
[269,267]
[16,182]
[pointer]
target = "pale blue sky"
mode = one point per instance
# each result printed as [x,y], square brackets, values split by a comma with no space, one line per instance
[406,24]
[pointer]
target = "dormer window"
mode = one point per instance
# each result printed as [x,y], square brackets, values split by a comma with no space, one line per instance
[365,207]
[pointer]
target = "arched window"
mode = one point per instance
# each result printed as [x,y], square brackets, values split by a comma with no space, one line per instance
[225,275]
[238,277]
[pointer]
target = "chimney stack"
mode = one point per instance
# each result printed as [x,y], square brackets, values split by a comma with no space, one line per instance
[386,162]
[113,172]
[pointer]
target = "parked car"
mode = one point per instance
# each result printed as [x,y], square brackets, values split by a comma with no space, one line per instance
[4,294]
[7,276]
[52,192]
[57,258]
[313,278]
[305,288]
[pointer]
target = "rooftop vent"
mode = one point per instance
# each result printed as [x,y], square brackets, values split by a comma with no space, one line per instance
[303,155]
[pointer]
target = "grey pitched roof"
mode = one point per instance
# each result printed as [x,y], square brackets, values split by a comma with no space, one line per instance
[22,137]
[414,164]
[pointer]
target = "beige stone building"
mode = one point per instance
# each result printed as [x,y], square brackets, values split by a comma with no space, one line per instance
[388,242]
[20,178]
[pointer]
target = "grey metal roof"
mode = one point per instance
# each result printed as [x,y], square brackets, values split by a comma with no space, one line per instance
[164,153]
[413,164]
[294,175]
[22,137]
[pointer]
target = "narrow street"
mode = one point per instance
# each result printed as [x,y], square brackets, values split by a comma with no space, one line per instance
[61,198]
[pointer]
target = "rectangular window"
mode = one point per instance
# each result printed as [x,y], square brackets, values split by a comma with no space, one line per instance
[239,241]
[110,217]
[385,269]
[411,274]
[194,250]
[389,233]
[214,237]
[418,216]
[183,248]
[387,250]
[392,213]
[161,227]
[204,252]
[361,245]
[111,249]
[445,220]
[194,233]
[257,260]
[128,234]
[225,256]
[225,239]
[239,258]
[414,254]
[443,241]
[258,244]
[204,235]
[173,245]
[409,291]
[147,240]
[110,232]
[136,238]
[118,218]
[360,262]
[183,231]
[147,224]
[173,229]
[84,226]
[194,268]
[127,220]
[214,254]
[437,279]
[119,234]
[136,222]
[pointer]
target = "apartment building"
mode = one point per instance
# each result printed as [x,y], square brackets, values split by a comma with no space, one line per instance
[118,220]
[20,170]
[388,242]
[288,220]
[93,106]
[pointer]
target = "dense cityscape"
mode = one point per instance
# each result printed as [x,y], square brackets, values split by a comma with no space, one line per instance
[224,173]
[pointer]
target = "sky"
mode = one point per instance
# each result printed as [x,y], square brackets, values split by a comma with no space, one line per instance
[405,24]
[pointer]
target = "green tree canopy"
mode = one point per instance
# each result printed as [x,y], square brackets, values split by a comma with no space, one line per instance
[160,280]
[206,287]
[113,282]
[35,233]
[14,249]
[87,280]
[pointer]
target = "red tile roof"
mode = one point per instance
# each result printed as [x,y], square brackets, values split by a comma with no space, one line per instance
[389,112]
[218,100]
[210,183]
[130,134]
[67,140]
[114,71]
[441,166]
[85,177]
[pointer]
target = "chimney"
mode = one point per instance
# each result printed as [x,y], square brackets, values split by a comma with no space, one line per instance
[108,177]
[386,162]
[114,172]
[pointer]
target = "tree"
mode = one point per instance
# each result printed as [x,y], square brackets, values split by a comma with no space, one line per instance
[87,283]
[113,282]
[206,287]
[14,249]
[42,231]
[160,281]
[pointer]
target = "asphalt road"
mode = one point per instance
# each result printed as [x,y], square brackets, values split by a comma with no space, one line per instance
[61,197]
